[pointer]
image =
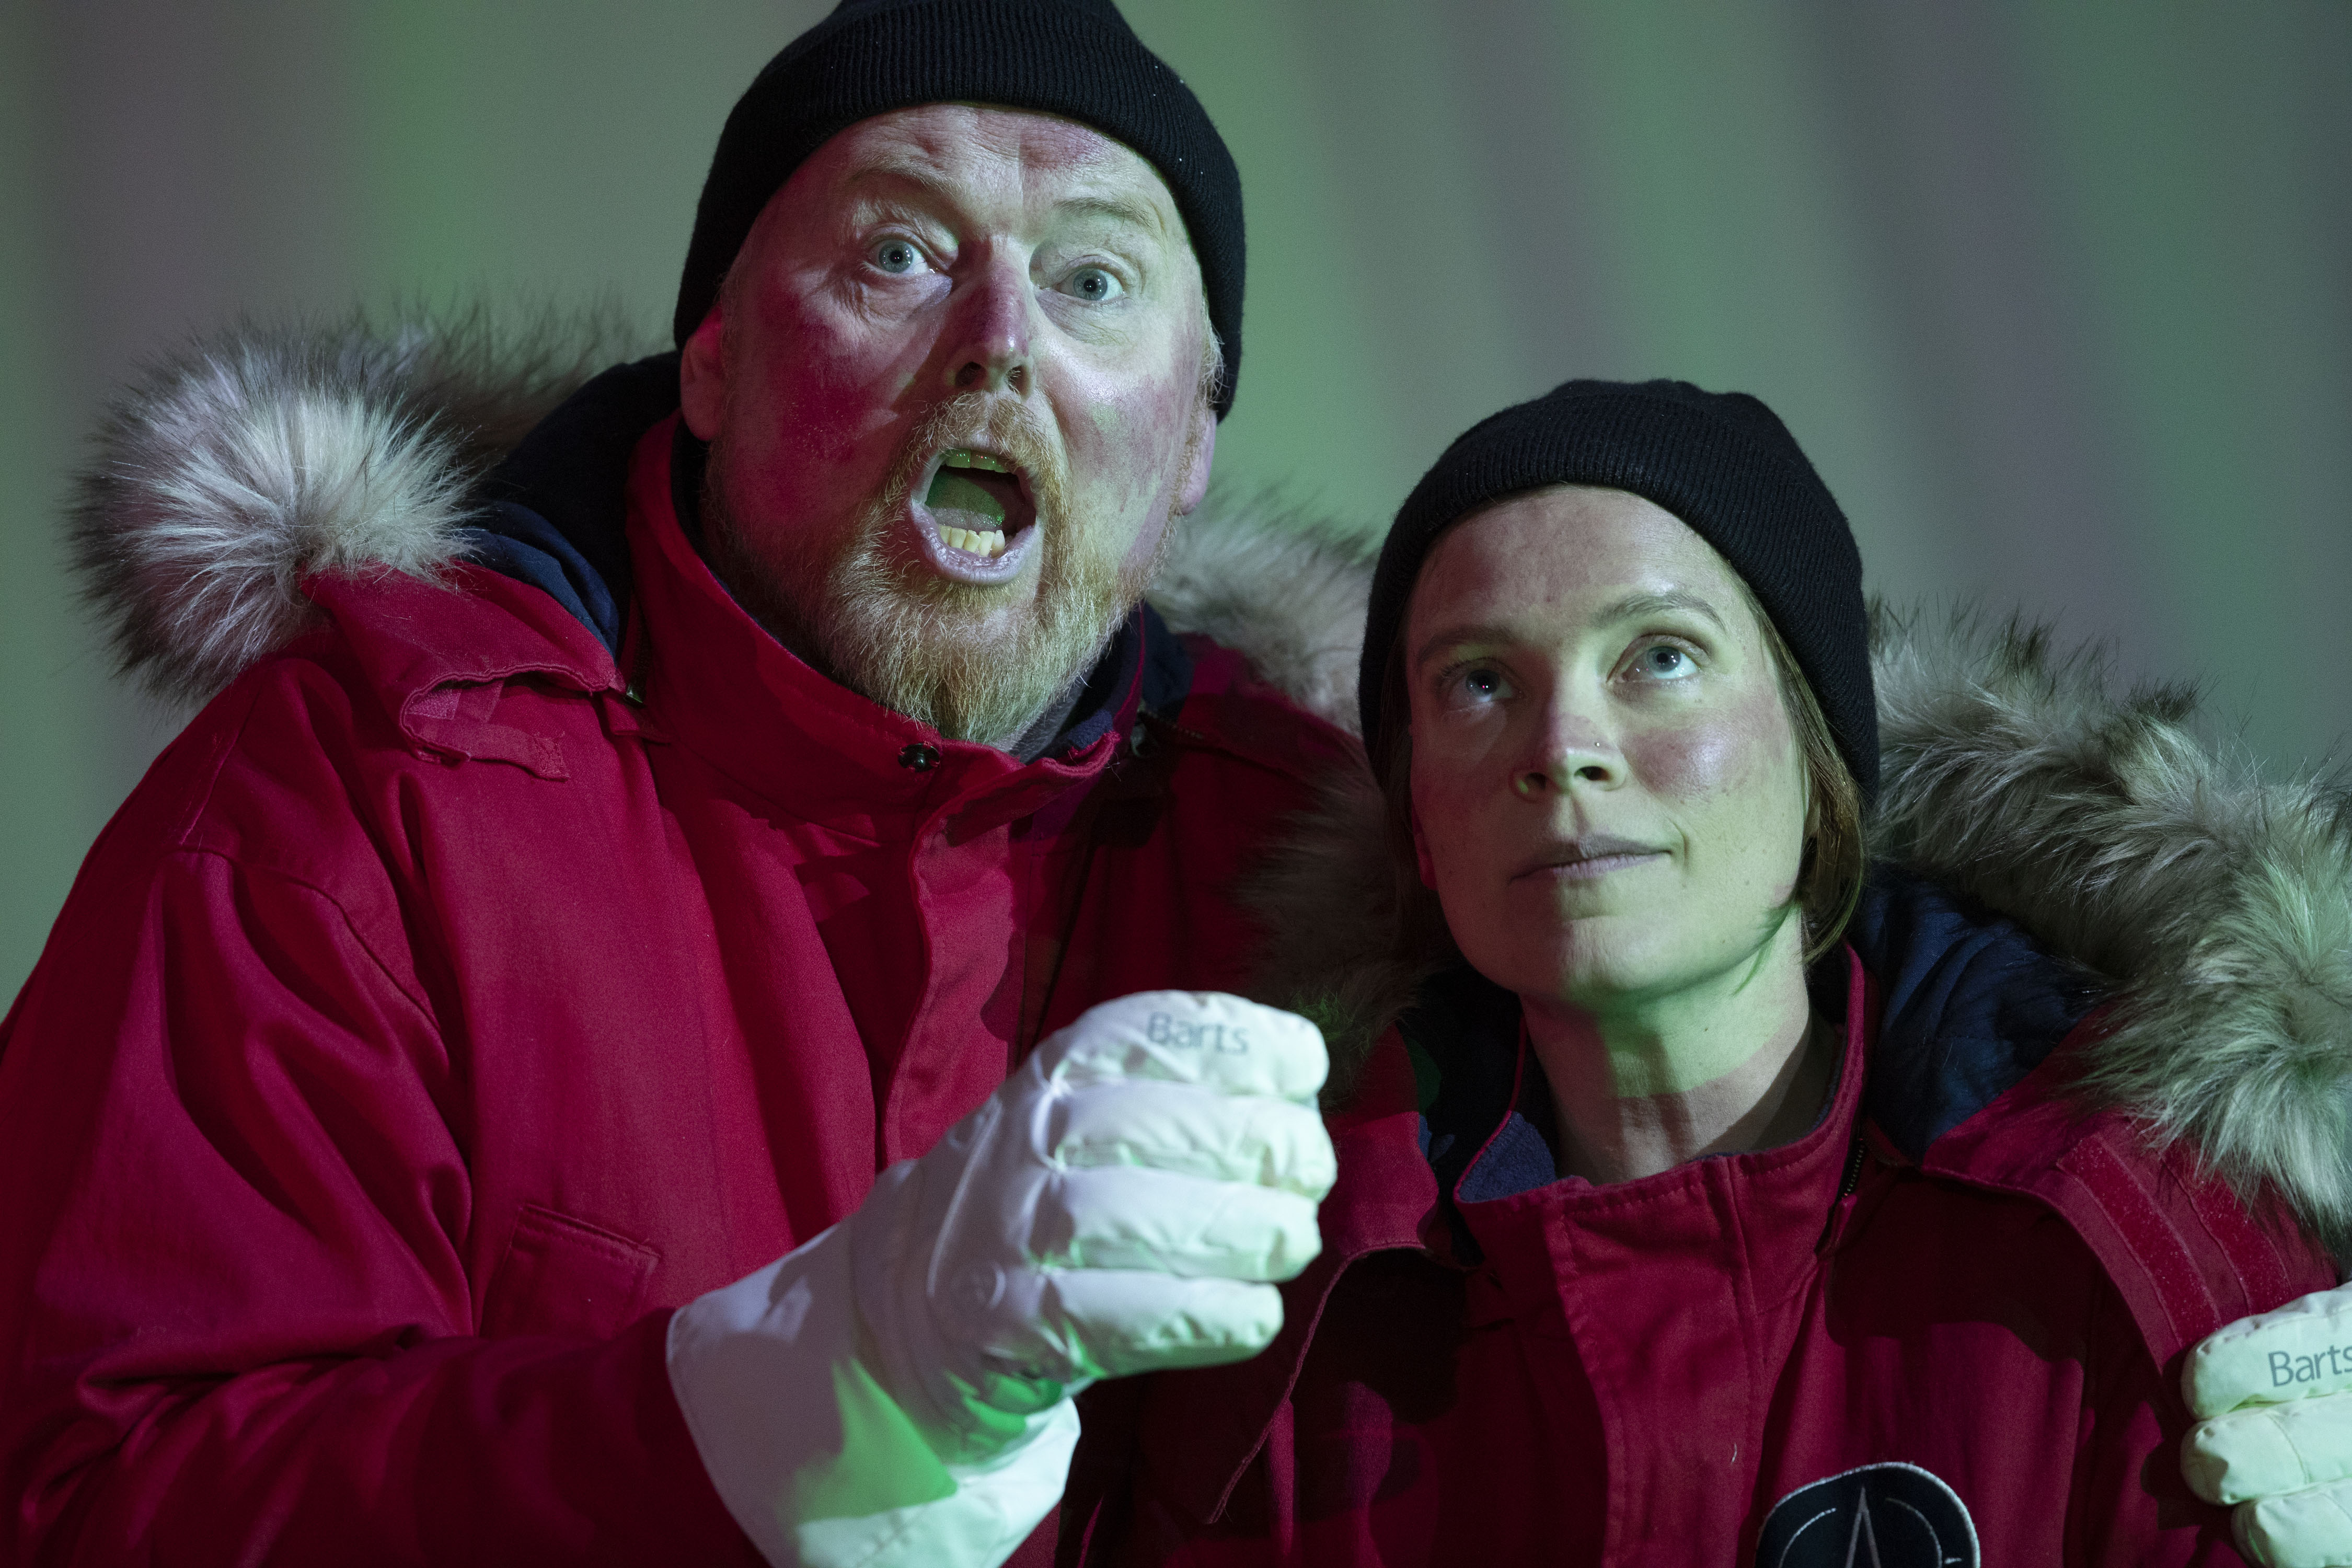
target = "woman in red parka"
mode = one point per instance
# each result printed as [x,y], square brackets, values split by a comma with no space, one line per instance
[1702,1199]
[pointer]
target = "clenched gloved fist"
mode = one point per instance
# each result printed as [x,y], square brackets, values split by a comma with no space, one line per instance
[898,1390]
[2275,1393]
[1119,1205]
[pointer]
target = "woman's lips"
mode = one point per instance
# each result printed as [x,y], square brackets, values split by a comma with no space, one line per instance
[1587,859]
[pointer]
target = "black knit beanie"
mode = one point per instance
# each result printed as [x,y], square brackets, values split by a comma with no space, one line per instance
[1721,462]
[1076,59]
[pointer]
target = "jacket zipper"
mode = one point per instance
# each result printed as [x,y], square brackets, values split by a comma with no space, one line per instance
[1847,1185]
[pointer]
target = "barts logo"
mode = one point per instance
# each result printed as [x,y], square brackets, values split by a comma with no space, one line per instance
[1166,1030]
[2289,1370]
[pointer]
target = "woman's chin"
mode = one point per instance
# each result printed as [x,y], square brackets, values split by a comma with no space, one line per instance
[1587,970]
[1602,965]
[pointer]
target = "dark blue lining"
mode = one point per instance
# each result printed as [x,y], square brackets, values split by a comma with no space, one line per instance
[1523,1154]
[555,511]
[1469,1027]
[1167,669]
[1971,1005]
[515,541]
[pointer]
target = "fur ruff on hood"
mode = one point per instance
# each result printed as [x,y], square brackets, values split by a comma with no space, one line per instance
[2216,905]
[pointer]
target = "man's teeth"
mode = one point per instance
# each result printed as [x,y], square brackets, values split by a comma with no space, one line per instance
[973,542]
[954,494]
[960,459]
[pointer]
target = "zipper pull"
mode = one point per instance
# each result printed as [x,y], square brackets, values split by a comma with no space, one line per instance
[1832,1223]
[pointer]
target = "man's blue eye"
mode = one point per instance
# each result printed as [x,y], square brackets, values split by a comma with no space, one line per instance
[1094,285]
[895,257]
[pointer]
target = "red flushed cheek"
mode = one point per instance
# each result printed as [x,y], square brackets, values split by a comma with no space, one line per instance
[837,418]
[1729,752]
[833,381]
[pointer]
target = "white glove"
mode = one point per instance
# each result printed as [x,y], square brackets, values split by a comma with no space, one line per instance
[898,1390]
[2276,1433]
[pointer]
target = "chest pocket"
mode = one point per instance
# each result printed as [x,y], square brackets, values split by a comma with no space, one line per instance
[564,1276]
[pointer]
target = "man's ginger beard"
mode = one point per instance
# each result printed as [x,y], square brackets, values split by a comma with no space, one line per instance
[877,617]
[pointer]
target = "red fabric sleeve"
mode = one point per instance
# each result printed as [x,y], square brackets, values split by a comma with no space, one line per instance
[235,1315]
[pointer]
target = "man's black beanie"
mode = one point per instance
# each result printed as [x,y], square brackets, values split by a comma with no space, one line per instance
[1721,462]
[1076,59]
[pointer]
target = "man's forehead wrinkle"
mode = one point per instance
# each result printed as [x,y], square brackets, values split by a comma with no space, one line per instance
[942,134]
[909,176]
[907,171]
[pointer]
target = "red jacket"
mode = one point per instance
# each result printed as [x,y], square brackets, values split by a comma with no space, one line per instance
[452,999]
[1831,1352]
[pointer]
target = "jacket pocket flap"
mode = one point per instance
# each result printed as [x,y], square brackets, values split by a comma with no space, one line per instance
[564,1276]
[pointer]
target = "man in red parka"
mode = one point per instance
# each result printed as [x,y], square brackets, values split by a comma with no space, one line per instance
[593,874]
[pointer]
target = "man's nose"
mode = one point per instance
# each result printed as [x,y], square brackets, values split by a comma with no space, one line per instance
[990,335]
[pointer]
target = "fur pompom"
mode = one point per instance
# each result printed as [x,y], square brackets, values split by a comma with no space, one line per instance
[249,461]
[1282,588]
[2217,903]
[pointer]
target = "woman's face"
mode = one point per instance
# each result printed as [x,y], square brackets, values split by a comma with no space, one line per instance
[1608,794]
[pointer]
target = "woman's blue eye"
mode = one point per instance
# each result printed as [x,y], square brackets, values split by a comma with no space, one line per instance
[1664,661]
[1483,683]
[1094,285]
[895,257]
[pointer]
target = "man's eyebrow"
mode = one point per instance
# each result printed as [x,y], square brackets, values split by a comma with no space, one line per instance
[926,180]
[1128,209]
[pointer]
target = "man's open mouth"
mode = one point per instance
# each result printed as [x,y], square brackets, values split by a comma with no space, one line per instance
[978,511]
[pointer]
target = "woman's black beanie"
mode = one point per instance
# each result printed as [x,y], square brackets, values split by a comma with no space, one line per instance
[1076,59]
[1721,462]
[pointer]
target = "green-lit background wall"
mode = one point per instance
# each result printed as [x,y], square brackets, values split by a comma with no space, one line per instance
[2058,295]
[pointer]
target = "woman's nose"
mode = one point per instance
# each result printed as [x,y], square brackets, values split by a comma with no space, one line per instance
[1573,752]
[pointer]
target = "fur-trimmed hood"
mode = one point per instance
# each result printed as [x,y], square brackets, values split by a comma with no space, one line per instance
[2215,903]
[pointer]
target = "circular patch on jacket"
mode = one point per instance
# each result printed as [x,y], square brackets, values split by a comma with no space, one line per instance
[1878,1516]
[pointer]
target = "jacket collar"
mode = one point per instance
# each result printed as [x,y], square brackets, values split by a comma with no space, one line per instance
[1405,1157]
[1747,1216]
[715,681]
